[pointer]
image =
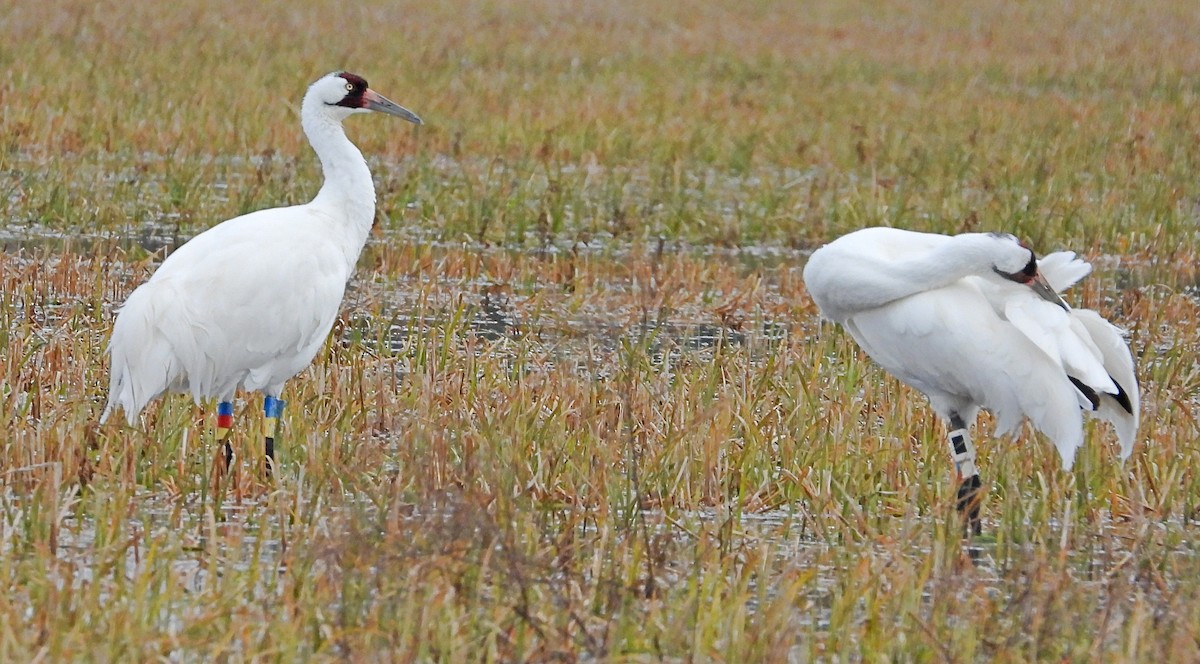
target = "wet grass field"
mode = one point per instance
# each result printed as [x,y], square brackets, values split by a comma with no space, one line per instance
[578,404]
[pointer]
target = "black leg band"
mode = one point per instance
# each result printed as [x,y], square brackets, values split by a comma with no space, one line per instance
[970,495]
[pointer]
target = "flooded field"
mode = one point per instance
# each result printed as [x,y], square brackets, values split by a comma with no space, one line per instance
[638,433]
[577,404]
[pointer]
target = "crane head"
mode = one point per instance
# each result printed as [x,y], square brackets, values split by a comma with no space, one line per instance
[346,90]
[1030,276]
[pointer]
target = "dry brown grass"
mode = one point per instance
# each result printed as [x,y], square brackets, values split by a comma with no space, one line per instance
[579,404]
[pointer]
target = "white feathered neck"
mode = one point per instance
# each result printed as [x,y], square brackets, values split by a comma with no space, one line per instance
[348,192]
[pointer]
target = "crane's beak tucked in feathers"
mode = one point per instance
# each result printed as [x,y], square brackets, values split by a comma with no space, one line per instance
[1030,276]
[1046,292]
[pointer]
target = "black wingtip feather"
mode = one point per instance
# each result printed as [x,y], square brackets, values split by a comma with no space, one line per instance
[1122,398]
[1087,392]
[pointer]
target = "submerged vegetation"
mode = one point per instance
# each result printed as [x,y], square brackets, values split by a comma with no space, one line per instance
[579,404]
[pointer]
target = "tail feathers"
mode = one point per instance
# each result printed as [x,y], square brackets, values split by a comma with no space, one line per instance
[138,379]
[1055,413]
[1119,407]
[143,364]
[1062,269]
[1123,421]
[1092,352]
[1117,399]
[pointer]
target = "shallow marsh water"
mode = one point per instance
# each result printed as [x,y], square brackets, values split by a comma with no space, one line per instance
[445,337]
[579,406]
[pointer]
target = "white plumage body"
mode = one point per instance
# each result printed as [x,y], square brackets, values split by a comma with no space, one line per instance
[196,325]
[249,302]
[938,313]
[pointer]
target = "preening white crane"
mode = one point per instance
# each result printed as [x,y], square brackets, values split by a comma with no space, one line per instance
[975,321]
[249,302]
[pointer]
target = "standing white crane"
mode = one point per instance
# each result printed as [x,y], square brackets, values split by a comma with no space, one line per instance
[975,321]
[249,302]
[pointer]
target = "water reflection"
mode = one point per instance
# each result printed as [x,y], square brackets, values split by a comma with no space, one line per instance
[148,238]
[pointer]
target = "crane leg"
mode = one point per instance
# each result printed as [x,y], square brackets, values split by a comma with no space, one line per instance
[223,460]
[970,493]
[273,410]
[224,426]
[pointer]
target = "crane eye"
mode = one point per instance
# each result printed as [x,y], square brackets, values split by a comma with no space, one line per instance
[350,87]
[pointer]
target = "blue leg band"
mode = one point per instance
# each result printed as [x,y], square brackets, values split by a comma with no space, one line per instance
[224,419]
[273,407]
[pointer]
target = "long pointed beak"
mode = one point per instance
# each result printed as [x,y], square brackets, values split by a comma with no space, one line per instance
[1040,286]
[373,101]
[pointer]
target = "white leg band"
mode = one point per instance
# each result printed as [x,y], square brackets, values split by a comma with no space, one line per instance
[962,450]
